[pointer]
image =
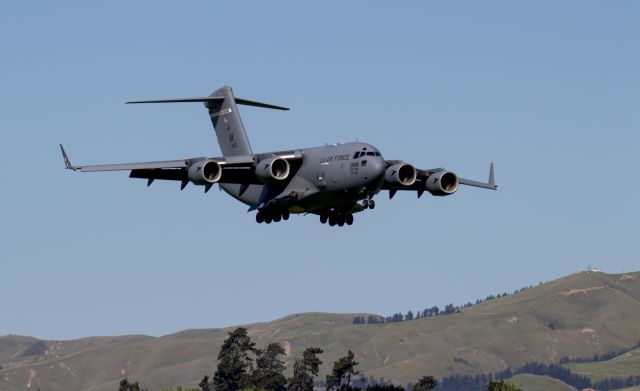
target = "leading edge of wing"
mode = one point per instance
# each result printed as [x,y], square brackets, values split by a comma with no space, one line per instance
[134,166]
[123,166]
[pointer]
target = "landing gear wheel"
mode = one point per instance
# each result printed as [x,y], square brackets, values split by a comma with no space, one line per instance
[259,218]
[365,204]
[285,215]
[349,219]
[332,220]
[323,219]
[277,217]
[341,220]
[372,204]
[267,220]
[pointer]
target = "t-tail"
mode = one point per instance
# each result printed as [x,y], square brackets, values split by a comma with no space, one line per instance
[223,110]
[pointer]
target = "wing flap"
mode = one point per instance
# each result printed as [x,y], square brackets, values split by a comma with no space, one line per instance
[166,174]
[230,174]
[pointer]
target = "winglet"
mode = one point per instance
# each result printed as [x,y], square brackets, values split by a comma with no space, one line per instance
[67,163]
[492,179]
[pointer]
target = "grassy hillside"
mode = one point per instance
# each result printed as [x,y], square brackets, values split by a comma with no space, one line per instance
[576,316]
[539,383]
[622,366]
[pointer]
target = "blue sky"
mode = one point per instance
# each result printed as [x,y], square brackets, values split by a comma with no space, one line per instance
[549,91]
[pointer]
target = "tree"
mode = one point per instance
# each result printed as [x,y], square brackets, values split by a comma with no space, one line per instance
[501,385]
[126,386]
[205,384]
[305,369]
[449,309]
[340,377]
[269,368]
[426,383]
[234,362]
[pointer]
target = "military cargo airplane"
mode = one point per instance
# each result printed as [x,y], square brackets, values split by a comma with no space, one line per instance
[332,181]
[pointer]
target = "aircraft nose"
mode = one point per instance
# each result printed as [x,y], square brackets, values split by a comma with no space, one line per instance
[377,167]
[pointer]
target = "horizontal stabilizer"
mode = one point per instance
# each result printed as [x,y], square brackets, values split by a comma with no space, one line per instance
[239,101]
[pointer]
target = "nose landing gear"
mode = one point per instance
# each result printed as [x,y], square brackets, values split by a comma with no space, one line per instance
[368,204]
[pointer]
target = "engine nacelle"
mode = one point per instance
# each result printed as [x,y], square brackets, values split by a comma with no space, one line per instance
[273,169]
[442,183]
[205,172]
[402,174]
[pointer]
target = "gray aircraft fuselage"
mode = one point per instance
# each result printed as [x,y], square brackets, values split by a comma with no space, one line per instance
[339,179]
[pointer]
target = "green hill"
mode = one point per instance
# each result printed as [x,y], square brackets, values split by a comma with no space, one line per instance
[576,316]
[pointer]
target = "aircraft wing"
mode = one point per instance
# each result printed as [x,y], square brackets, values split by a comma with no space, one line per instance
[235,169]
[422,177]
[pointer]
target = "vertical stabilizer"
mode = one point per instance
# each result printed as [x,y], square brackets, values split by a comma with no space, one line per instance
[227,123]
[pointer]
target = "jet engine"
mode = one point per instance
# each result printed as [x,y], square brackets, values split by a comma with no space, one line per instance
[442,183]
[401,174]
[273,169]
[204,172]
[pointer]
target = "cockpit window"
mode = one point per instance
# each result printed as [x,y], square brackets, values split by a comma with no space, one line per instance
[360,154]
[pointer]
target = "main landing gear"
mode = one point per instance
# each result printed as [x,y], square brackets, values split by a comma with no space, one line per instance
[336,218]
[267,216]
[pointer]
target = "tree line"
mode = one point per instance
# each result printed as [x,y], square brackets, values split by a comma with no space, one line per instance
[599,357]
[430,311]
[477,382]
